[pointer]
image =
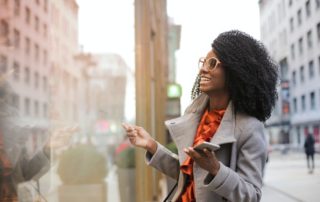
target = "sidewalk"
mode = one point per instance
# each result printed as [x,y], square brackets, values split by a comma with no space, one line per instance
[287,179]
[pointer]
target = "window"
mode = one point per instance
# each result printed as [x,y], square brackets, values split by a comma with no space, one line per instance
[45,30]
[28,18]
[294,79]
[290,3]
[311,69]
[36,80]
[291,24]
[3,64]
[302,74]
[36,52]
[299,17]
[27,46]
[308,9]
[27,106]
[15,101]
[36,108]
[312,101]
[301,45]
[319,63]
[303,103]
[45,57]
[318,30]
[16,38]
[45,5]
[36,23]
[27,75]
[295,108]
[44,82]
[16,71]
[16,7]
[4,32]
[45,110]
[292,51]
[309,38]
[318,4]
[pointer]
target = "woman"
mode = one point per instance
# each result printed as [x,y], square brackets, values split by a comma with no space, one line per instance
[234,93]
[15,166]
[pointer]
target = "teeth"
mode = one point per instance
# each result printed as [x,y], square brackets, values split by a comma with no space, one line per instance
[204,79]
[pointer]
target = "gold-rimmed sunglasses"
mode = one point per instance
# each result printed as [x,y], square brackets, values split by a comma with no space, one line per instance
[210,63]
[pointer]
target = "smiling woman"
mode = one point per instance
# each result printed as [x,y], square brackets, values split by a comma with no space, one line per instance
[234,94]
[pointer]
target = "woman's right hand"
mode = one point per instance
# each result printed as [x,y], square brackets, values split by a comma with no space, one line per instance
[139,137]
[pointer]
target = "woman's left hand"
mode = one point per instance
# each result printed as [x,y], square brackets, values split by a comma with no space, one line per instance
[206,160]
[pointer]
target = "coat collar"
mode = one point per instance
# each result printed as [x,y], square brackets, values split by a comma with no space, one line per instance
[183,129]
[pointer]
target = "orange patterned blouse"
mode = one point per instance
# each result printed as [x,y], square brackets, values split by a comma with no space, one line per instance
[209,124]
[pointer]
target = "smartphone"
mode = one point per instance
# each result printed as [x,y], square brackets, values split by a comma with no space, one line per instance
[208,145]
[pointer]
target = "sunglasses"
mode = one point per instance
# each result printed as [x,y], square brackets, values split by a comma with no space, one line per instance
[210,63]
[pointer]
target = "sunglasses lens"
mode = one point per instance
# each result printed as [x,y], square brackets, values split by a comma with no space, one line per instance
[201,63]
[212,63]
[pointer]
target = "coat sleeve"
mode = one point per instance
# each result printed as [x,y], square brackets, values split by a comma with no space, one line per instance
[165,161]
[34,167]
[244,184]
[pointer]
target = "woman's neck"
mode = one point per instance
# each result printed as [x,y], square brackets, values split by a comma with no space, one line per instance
[218,102]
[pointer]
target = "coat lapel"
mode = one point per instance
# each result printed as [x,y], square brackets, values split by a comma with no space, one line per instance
[226,130]
[183,129]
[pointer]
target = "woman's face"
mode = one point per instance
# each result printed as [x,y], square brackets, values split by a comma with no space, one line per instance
[212,75]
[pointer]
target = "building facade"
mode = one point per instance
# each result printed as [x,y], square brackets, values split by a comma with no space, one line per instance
[290,29]
[24,50]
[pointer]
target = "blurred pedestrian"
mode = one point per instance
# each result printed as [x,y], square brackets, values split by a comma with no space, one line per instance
[309,150]
[15,166]
[234,93]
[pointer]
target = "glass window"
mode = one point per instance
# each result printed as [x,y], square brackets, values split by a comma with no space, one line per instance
[16,69]
[4,32]
[27,106]
[36,52]
[45,30]
[36,80]
[44,83]
[318,31]
[3,64]
[312,100]
[45,110]
[27,46]
[294,80]
[16,7]
[295,109]
[15,101]
[28,15]
[292,51]
[27,75]
[318,4]
[16,38]
[309,38]
[36,108]
[301,45]
[302,74]
[291,24]
[308,8]
[299,17]
[303,102]
[36,23]
[311,69]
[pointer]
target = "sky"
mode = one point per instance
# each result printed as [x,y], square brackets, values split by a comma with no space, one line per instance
[107,26]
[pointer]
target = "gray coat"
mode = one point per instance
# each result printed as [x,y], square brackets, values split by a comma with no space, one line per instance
[242,155]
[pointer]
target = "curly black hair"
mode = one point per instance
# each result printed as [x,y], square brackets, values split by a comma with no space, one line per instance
[251,74]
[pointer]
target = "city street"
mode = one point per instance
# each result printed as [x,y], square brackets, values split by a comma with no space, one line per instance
[287,179]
